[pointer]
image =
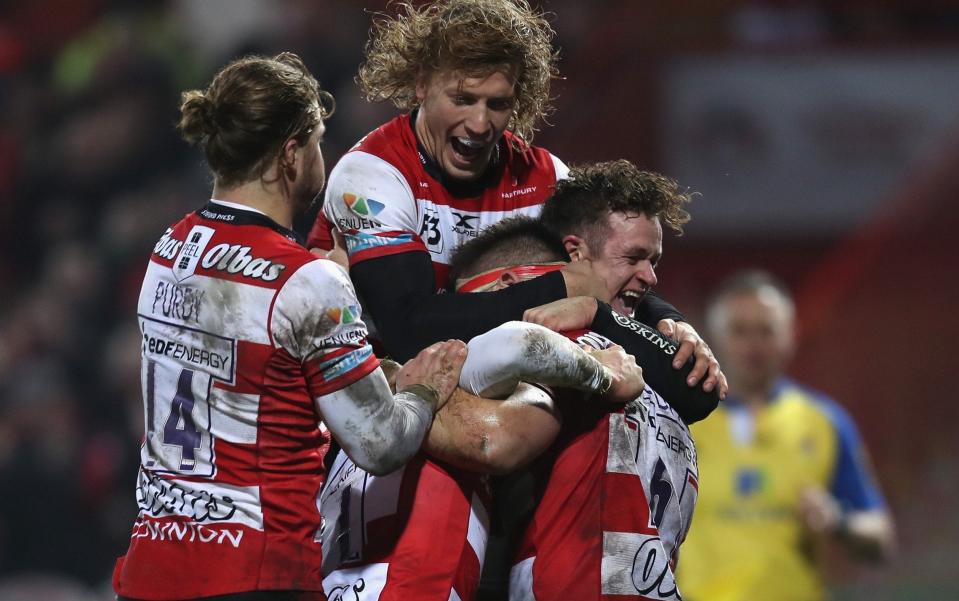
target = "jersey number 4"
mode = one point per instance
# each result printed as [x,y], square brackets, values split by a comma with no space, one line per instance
[177,420]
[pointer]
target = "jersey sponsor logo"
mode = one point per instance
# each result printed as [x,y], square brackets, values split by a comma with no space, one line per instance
[343,364]
[594,340]
[167,247]
[750,481]
[464,224]
[351,338]
[360,241]
[344,315]
[353,224]
[347,592]
[646,332]
[180,364]
[162,498]
[364,207]
[158,344]
[519,192]
[178,302]
[676,445]
[186,261]
[363,583]
[430,230]
[635,563]
[187,531]
[236,259]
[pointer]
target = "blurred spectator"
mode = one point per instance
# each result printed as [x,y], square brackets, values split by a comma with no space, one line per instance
[782,468]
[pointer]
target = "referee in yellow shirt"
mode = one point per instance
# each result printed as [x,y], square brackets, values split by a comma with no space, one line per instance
[780,465]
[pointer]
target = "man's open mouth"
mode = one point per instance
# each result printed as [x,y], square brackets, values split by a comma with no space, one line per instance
[629,300]
[467,148]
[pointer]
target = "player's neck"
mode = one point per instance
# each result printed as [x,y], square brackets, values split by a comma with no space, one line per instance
[754,395]
[257,195]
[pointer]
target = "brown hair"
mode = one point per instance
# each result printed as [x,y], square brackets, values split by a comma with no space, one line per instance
[250,109]
[471,37]
[582,203]
[507,243]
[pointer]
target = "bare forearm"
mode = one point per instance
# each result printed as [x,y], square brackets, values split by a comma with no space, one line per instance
[494,437]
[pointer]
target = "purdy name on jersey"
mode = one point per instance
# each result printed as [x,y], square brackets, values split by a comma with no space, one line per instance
[242,331]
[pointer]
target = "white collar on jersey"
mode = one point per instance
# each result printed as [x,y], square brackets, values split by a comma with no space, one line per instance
[236,205]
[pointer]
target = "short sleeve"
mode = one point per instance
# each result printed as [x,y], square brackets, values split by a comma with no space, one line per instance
[371,203]
[316,320]
[853,483]
[562,171]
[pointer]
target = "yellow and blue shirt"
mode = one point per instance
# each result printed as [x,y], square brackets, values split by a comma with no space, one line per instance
[746,541]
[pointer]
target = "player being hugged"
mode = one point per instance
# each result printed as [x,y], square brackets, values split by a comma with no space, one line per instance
[253,354]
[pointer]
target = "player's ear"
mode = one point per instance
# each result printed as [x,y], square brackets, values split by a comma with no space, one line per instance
[575,247]
[422,85]
[288,153]
[508,278]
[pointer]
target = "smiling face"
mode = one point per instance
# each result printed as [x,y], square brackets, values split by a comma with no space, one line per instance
[625,255]
[461,120]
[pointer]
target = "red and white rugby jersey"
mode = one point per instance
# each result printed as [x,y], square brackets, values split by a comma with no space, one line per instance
[616,506]
[387,197]
[417,533]
[243,330]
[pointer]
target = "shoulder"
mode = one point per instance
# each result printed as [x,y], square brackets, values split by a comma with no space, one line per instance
[367,192]
[316,283]
[529,160]
[363,171]
[821,403]
[393,142]
[315,300]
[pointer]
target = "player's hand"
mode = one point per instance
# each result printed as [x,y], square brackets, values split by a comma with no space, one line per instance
[565,314]
[437,367]
[691,344]
[819,510]
[390,369]
[582,280]
[338,254]
[627,376]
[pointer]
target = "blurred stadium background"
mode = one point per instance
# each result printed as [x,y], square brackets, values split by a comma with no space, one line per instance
[823,138]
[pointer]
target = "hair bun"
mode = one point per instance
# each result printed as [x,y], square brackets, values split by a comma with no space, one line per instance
[197,116]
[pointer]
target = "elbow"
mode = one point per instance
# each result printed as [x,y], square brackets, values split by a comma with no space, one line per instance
[700,410]
[381,465]
[501,458]
[382,457]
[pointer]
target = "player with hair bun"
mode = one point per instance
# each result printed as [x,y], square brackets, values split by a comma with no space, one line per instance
[253,355]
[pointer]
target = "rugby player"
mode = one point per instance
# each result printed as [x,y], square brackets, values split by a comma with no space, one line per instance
[500,438]
[420,532]
[474,76]
[617,488]
[253,354]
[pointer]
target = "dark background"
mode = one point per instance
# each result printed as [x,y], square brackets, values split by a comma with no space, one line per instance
[822,138]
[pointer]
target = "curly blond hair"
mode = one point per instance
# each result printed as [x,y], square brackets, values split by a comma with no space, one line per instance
[471,37]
